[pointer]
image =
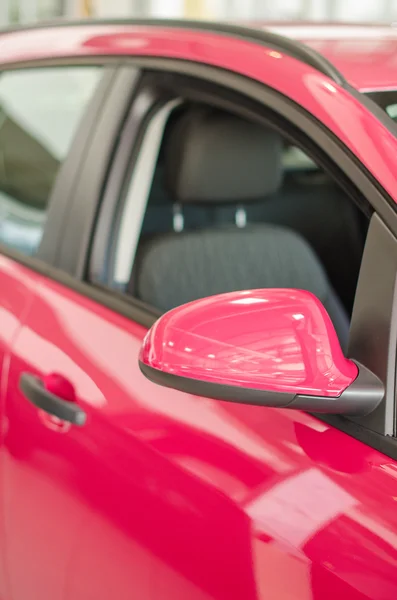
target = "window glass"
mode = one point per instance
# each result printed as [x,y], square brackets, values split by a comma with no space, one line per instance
[40,110]
[295,159]
[182,231]
[392,111]
[387,100]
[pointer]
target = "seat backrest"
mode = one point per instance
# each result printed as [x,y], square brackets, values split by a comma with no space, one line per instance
[172,269]
[263,170]
[313,205]
[215,160]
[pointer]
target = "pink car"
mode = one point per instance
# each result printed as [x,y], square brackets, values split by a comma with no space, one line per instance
[198,312]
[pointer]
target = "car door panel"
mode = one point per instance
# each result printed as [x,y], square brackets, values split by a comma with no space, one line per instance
[65,469]
[15,298]
[165,495]
[108,486]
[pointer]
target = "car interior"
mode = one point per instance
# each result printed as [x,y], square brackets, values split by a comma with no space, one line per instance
[234,206]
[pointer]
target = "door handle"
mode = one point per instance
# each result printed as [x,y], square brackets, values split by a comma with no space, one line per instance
[33,389]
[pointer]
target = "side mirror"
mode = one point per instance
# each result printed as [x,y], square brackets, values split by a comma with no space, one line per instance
[269,347]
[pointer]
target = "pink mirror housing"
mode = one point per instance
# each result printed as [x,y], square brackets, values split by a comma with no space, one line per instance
[270,347]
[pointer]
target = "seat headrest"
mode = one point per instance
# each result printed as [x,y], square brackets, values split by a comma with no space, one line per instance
[217,157]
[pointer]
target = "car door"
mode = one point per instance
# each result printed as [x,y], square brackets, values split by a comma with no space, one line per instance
[155,493]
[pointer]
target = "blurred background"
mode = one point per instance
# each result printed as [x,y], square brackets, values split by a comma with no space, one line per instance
[30,11]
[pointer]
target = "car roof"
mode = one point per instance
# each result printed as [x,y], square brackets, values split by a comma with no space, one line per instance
[365,54]
[299,75]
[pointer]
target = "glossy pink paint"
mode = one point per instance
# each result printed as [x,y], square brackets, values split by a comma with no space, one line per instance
[373,144]
[276,340]
[16,297]
[162,494]
[363,52]
[167,495]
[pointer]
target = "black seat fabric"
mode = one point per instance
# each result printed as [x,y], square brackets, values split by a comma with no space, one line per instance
[314,206]
[217,158]
[214,160]
[176,268]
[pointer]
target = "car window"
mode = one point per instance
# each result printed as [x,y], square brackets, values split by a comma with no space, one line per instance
[387,100]
[392,111]
[176,206]
[40,110]
[296,160]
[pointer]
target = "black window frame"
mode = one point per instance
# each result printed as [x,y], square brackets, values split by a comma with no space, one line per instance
[337,154]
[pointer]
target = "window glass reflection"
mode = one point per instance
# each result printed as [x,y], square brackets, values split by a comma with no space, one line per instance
[40,111]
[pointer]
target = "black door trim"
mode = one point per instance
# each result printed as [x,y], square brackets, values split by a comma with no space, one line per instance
[107,133]
[64,185]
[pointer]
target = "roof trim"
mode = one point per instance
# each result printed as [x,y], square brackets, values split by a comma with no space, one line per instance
[277,42]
